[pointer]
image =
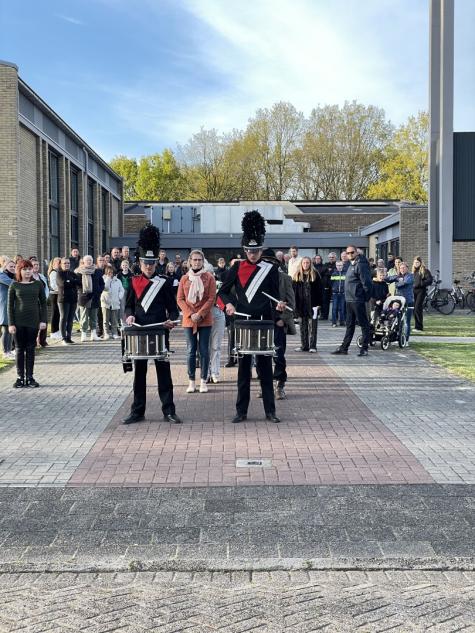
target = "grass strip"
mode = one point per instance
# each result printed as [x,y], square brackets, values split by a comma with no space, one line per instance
[457,358]
[452,325]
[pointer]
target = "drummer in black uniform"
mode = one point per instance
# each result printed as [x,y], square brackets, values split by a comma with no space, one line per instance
[150,299]
[249,278]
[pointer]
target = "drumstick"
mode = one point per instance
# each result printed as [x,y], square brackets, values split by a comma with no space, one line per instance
[248,316]
[155,324]
[276,300]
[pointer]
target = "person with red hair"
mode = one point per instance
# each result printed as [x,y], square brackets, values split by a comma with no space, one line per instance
[26,315]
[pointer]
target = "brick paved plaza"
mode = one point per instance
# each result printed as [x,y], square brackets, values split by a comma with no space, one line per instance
[390,419]
[361,519]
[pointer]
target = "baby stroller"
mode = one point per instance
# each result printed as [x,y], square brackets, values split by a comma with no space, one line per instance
[386,326]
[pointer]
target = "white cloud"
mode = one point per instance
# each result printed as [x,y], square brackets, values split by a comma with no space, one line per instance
[71,20]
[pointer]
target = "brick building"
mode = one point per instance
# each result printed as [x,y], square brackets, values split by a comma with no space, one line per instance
[55,191]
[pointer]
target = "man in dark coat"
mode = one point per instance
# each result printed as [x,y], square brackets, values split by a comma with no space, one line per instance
[358,288]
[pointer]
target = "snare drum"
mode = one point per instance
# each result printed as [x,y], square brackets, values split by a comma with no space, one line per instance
[254,337]
[144,343]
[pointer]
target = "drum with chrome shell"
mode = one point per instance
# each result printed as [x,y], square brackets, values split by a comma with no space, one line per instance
[254,336]
[143,343]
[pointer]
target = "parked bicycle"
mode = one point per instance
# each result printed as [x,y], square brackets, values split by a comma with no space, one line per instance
[439,299]
[458,294]
[470,295]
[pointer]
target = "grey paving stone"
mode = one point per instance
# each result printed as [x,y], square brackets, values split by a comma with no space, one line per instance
[406,549]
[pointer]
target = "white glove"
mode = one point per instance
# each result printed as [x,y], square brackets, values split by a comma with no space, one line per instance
[315,312]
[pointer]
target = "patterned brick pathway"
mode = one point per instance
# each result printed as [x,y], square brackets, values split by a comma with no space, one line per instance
[390,418]
[335,602]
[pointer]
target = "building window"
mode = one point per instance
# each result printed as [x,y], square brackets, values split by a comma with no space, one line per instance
[105,199]
[90,217]
[74,208]
[53,195]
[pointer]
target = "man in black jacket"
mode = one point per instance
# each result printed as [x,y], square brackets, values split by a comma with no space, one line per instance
[358,286]
[150,299]
[243,291]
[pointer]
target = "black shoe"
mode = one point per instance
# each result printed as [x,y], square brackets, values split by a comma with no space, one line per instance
[363,352]
[19,383]
[272,418]
[238,418]
[70,341]
[133,417]
[231,363]
[31,382]
[280,393]
[172,417]
[340,351]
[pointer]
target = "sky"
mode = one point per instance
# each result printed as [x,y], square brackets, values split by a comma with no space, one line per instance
[136,76]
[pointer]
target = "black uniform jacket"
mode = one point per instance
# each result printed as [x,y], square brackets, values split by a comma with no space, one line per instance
[249,281]
[151,300]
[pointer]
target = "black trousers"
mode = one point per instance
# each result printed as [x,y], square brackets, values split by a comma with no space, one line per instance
[100,324]
[419,296]
[326,299]
[356,313]
[308,333]
[264,371]
[25,342]
[165,386]
[53,298]
[66,319]
[280,364]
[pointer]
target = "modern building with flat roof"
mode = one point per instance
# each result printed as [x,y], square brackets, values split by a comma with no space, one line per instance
[56,192]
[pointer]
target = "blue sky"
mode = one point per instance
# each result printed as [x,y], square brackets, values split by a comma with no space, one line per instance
[135,76]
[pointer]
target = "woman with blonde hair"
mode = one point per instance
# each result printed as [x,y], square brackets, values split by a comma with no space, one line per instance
[196,297]
[54,266]
[308,290]
[422,280]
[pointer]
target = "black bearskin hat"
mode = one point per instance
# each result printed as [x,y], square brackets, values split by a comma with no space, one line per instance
[253,230]
[149,243]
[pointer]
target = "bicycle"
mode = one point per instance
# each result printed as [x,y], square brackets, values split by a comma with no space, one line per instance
[439,299]
[458,294]
[470,296]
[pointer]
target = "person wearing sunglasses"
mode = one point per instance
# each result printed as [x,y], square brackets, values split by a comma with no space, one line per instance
[358,287]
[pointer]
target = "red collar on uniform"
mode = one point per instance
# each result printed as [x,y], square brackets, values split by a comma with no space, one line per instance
[246,269]
[139,284]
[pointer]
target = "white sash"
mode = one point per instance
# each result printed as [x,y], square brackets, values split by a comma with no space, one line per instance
[157,283]
[265,268]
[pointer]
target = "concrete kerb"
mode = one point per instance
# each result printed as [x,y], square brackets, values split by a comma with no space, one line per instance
[452,564]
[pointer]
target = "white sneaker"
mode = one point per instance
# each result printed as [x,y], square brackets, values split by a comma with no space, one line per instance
[203,387]
[63,342]
[106,337]
[115,336]
[298,349]
[191,387]
[94,336]
[214,378]
[313,350]
[83,337]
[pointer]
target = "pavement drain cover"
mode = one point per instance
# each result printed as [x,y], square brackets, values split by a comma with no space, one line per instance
[253,463]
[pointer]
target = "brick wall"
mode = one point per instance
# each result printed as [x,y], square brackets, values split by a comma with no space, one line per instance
[463,260]
[28,243]
[9,132]
[336,222]
[133,224]
[413,235]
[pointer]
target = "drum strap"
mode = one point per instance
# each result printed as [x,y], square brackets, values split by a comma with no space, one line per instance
[265,268]
[152,292]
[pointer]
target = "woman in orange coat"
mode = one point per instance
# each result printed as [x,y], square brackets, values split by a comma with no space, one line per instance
[196,296]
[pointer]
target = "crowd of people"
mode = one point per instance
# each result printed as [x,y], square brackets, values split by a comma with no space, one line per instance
[347,290]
